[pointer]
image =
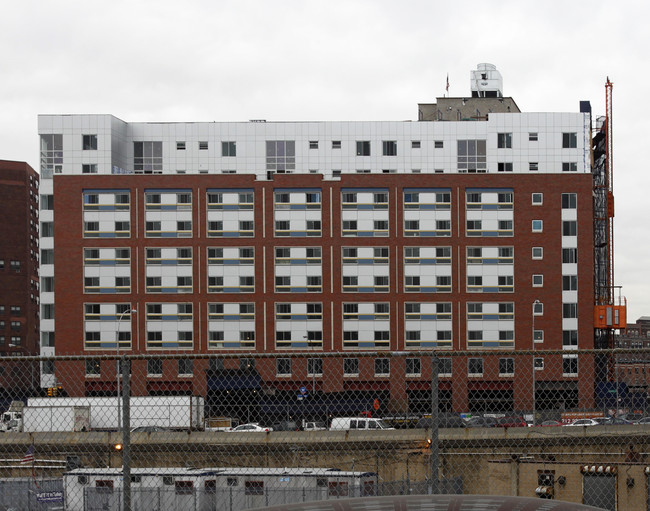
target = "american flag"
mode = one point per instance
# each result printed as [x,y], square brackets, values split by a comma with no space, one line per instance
[29,455]
[447,88]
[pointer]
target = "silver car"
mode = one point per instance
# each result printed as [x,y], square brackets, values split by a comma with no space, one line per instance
[252,427]
[584,422]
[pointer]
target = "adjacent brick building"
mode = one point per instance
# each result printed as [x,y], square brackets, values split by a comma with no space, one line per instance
[19,281]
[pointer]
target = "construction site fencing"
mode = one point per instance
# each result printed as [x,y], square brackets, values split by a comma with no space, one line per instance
[230,432]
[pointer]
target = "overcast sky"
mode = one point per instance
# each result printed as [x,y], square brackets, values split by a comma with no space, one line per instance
[235,60]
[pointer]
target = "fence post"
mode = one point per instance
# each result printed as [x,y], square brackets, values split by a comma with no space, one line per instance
[126,432]
[435,416]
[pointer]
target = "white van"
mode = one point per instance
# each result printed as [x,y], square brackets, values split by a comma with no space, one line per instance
[358,423]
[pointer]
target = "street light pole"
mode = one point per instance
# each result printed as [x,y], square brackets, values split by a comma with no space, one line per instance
[129,310]
[535,303]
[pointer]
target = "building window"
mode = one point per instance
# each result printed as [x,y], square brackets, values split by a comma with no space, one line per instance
[415,144]
[47,229]
[216,364]
[246,364]
[504,167]
[363,148]
[280,155]
[51,154]
[203,145]
[504,140]
[569,166]
[185,366]
[48,367]
[475,367]
[538,280]
[444,367]
[569,140]
[315,367]
[93,367]
[228,149]
[313,144]
[351,367]
[569,228]
[569,310]
[472,156]
[532,137]
[569,255]
[89,168]
[180,146]
[569,201]
[538,335]
[47,202]
[382,366]
[538,253]
[538,225]
[336,144]
[147,157]
[413,367]
[538,308]
[47,339]
[506,367]
[48,311]
[154,367]
[389,148]
[569,338]
[569,282]
[89,142]
[538,363]
[537,199]
[283,367]
[533,166]
[569,366]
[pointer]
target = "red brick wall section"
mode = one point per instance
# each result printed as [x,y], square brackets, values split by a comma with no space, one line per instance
[69,261]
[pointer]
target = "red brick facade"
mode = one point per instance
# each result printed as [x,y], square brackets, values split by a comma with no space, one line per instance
[71,298]
[19,280]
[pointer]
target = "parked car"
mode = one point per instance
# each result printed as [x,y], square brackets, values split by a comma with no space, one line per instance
[584,422]
[511,422]
[314,426]
[252,427]
[644,420]
[631,416]
[286,426]
[481,422]
[607,421]
[444,421]
[551,423]
[358,423]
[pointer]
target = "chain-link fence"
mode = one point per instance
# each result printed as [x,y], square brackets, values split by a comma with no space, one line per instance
[240,431]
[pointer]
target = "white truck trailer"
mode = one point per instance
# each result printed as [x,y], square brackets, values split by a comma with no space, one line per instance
[170,412]
[60,418]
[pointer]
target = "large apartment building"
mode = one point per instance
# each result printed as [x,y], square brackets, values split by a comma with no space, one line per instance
[470,229]
[19,281]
